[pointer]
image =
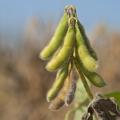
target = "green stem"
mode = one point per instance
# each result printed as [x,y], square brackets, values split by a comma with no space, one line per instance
[87,88]
[72,111]
[69,113]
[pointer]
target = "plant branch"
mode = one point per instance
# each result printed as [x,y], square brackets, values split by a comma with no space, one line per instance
[87,88]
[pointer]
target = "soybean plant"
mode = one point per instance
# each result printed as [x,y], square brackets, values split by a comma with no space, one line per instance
[68,51]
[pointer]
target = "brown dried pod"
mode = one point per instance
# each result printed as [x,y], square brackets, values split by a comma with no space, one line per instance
[58,102]
[70,95]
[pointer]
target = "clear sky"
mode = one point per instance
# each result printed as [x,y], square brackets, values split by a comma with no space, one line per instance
[15,13]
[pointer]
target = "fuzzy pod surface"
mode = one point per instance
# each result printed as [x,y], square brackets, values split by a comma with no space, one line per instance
[87,42]
[58,83]
[57,38]
[65,51]
[87,60]
[93,77]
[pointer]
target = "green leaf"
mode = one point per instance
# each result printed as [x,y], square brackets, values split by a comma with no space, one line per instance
[116,95]
[81,94]
[79,113]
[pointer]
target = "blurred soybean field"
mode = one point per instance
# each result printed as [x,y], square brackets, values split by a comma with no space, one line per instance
[23,78]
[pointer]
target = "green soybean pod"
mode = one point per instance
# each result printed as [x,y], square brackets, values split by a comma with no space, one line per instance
[87,60]
[90,49]
[58,83]
[65,51]
[93,77]
[59,101]
[56,40]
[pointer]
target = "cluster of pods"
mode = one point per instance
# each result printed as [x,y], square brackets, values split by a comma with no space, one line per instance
[69,49]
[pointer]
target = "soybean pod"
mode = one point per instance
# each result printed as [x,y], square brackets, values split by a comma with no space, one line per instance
[58,102]
[58,83]
[93,77]
[88,45]
[71,93]
[87,60]
[65,51]
[57,38]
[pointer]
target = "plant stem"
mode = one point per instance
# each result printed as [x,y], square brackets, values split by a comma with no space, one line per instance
[87,88]
[71,112]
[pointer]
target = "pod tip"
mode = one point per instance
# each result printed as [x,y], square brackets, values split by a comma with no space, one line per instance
[49,68]
[48,99]
[41,56]
[55,106]
[103,84]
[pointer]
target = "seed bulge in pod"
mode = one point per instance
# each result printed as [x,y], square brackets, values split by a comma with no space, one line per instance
[58,83]
[56,40]
[65,51]
[87,60]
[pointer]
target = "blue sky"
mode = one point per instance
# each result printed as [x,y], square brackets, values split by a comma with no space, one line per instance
[15,13]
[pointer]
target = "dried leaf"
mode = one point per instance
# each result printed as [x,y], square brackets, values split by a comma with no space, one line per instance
[105,108]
